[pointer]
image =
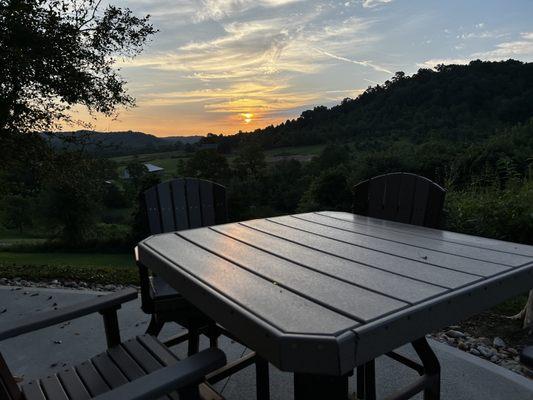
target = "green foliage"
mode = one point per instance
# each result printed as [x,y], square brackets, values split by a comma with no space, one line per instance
[505,213]
[330,191]
[55,54]
[72,196]
[208,164]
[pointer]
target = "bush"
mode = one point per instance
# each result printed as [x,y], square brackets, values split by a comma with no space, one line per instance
[505,214]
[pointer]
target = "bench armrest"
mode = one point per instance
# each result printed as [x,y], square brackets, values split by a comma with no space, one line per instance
[186,373]
[49,318]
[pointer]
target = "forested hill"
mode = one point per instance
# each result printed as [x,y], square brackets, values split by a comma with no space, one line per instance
[117,143]
[456,102]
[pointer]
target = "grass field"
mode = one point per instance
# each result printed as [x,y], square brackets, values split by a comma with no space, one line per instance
[169,159]
[295,151]
[89,267]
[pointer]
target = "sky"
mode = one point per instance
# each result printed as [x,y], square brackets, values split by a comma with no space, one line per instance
[221,66]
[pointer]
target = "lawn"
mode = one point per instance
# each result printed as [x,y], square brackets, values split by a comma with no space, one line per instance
[89,267]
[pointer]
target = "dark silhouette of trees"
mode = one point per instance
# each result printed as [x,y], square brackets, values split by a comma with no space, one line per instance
[55,54]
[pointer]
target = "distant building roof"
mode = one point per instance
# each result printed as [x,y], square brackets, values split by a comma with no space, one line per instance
[150,167]
[153,168]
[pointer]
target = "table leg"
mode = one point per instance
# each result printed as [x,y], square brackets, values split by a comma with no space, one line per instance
[320,387]
[431,368]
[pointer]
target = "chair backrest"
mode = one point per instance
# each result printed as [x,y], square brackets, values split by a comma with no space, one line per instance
[8,387]
[401,197]
[185,203]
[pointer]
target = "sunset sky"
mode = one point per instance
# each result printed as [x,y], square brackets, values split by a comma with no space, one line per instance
[227,65]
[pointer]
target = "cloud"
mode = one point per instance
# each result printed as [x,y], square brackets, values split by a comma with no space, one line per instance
[374,3]
[220,9]
[432,63]
[522,48]
[362,63]
[519,49]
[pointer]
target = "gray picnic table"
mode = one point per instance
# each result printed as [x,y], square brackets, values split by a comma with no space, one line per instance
[319,294]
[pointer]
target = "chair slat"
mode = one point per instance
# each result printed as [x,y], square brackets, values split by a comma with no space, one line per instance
[376,193]
[165,207]
[405,198]
[52,388]
[360,205]
[207,201]
[161,353]
[126,364]
[152,210]
[193,203]
[221,208]
[146,360]
[73,385]
[142,356]
[420,201]
[8,386]
[401,197]
[92,379]
[180,204]
[434,207]
[391,196]
[109,371]
[33,391]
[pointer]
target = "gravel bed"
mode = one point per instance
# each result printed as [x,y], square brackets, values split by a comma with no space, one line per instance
[493,349]
[64,284]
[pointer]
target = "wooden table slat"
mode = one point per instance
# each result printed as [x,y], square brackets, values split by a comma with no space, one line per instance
[400,287]
[445,247]
[437,234]
[261,297]
[352,301]
[417,256]
[415,269]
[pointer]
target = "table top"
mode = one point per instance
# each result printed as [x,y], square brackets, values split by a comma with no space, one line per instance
[324,292]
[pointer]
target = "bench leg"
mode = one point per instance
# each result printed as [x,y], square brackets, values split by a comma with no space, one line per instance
[194,341]
[155,326]
[112,331]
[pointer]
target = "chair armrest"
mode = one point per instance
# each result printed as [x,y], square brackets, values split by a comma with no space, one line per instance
[188,372]
[49,318]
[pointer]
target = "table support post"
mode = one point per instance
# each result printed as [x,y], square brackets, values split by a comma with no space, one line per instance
[262,379]
[431,368]
[320,387]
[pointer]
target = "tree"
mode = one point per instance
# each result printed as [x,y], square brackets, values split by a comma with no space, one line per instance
[250,160]
[73,196]
[58,53]
[208,164]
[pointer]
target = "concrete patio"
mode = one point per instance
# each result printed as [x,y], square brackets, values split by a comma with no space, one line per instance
[36,354]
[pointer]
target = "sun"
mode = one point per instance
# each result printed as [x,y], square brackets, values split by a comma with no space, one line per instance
[248,117]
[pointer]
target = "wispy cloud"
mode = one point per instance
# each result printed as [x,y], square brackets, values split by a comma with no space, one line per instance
[522,48]
[374,3]
[356,62]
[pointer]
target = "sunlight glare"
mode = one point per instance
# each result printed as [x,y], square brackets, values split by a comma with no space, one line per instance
[247,117]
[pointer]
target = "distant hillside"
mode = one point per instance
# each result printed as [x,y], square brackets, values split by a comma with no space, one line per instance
[453,102]
[118,143]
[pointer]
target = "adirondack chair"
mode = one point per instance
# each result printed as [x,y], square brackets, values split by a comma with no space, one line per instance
[187,203]
[400,197]
[139,368]
[172,206]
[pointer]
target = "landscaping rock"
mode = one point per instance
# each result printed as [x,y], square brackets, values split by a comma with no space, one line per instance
[498,343]
[455,334]
[485,351]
